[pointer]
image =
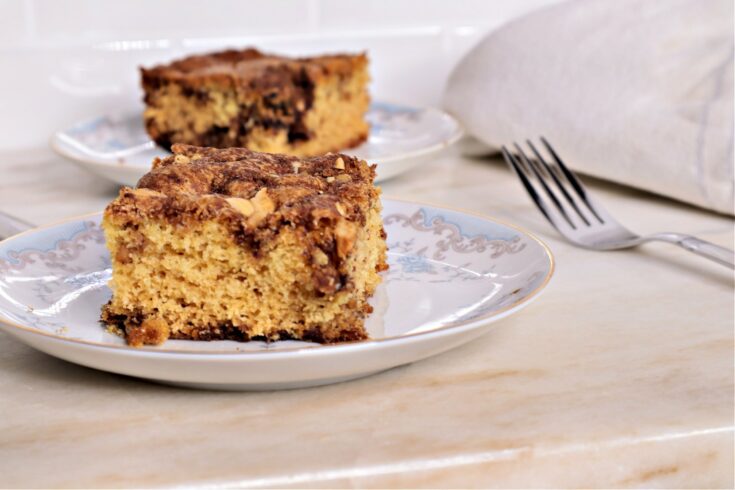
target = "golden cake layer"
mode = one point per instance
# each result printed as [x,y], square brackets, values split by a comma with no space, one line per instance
[235,244]
[275,104]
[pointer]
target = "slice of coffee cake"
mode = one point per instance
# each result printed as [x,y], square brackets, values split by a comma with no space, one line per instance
[297,106]
[234,244]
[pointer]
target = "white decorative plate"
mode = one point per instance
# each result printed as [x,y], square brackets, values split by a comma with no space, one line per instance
[451,275]
[119,149]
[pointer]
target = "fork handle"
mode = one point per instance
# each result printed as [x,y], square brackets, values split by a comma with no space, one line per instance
[703,248]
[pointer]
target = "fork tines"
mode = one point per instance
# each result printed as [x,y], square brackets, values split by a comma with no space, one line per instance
[555,180]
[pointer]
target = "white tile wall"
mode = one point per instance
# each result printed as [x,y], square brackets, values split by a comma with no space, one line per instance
[355,14]
[94,20]
[66,60]
[14,15]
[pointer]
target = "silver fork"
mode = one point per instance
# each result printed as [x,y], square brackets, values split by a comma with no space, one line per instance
[573,212]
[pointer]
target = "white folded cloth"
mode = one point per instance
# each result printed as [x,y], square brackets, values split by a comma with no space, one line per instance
[635,91]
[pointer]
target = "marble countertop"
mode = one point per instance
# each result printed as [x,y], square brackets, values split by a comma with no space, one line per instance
[621,375]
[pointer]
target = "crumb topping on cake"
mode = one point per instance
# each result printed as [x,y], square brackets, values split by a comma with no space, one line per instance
[250,68]
[257,194]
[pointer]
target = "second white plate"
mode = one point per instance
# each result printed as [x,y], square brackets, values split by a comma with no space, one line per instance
[119,149]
